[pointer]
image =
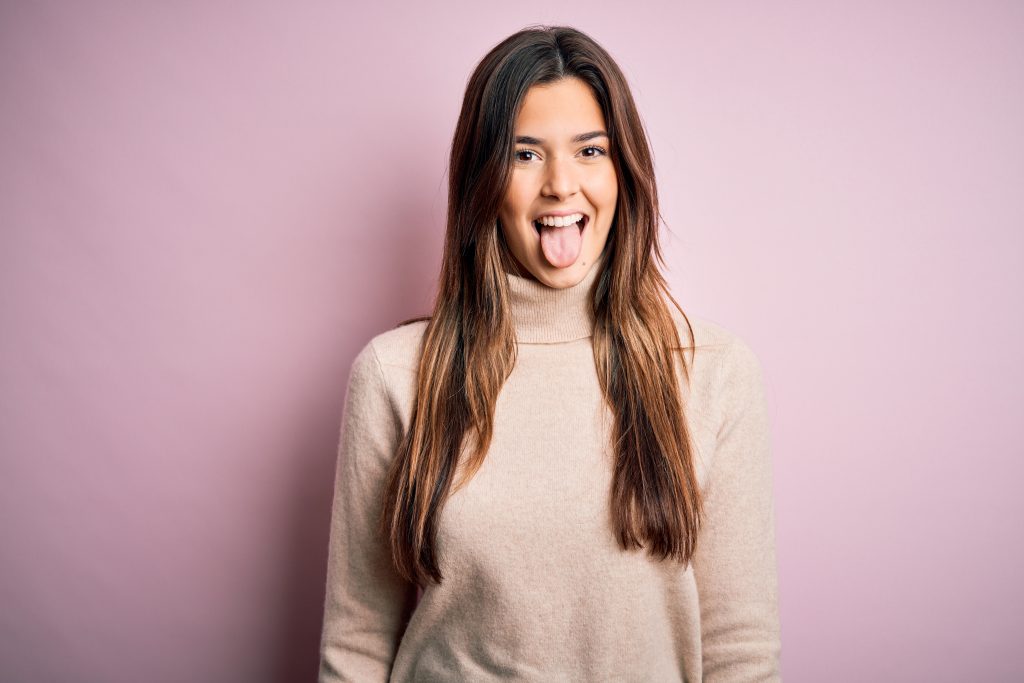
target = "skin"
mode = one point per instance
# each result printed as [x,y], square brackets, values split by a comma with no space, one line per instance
[559,174]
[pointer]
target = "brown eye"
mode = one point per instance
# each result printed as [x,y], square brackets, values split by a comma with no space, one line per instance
[523,151]
[601,151]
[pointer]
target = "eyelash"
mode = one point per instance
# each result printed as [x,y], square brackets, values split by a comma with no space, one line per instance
[530,151]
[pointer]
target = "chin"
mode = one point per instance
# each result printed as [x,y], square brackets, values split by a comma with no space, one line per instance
[568,276]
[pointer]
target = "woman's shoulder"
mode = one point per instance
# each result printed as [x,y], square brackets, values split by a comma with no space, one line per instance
[721,357]
[393,354]
[706,334]
[398,346]
[384,368]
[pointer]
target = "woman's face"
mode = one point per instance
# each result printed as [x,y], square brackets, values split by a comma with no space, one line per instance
[557,172]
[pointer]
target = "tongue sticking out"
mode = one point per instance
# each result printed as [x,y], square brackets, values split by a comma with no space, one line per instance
[561,246]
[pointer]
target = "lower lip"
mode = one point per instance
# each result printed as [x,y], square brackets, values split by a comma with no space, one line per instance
[586,222]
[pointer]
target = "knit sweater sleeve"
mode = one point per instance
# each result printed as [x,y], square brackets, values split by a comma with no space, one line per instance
[367,604]
[734,561]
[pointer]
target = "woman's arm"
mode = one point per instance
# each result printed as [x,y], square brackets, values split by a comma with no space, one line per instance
[734,562]
[367,604]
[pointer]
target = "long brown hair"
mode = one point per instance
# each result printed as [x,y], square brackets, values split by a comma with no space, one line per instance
[468,347]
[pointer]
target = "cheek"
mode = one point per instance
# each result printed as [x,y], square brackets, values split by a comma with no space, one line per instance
[517,198]
[602,188]
[609,188]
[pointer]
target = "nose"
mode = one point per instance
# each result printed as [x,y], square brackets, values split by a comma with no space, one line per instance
[561,179]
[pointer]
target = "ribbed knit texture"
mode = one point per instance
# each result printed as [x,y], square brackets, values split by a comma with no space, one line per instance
[536,587]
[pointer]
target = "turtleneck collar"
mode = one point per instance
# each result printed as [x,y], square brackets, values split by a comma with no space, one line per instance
[547,315]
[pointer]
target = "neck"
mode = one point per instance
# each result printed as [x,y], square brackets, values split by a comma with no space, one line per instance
[547,315]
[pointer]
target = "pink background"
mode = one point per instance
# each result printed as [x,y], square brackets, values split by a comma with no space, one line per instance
[206,210]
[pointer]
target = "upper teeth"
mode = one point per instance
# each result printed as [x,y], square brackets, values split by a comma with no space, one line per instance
[560,221]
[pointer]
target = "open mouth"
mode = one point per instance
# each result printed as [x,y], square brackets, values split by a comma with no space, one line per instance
[581,224]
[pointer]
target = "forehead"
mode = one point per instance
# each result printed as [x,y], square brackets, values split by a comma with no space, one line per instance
[559,110]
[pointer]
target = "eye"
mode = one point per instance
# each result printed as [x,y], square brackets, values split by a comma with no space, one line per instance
[523,151]
[602,151]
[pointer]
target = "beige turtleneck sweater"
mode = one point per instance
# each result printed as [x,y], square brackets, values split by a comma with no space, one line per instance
[535,586]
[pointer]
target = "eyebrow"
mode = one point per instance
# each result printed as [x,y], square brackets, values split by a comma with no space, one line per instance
[582,137]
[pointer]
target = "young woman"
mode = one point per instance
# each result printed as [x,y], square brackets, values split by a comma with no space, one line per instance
[534,483]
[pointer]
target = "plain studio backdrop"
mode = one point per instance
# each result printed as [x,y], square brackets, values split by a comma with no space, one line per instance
[206,209]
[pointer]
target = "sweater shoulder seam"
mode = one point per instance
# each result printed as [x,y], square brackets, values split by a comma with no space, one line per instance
[380,373]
